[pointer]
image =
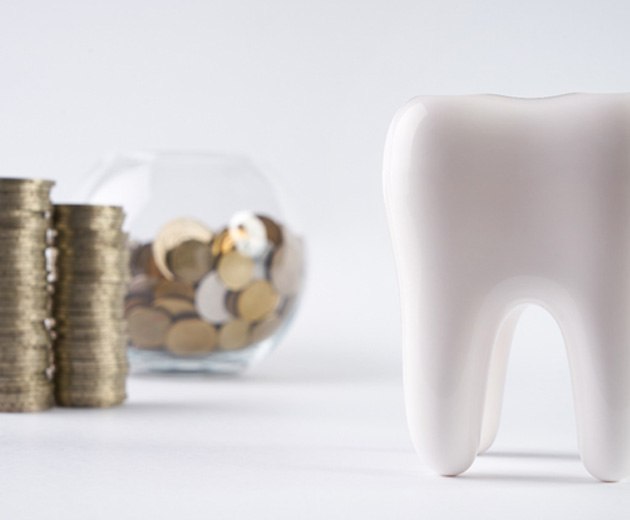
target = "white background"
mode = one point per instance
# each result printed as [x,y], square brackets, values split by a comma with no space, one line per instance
[307,90]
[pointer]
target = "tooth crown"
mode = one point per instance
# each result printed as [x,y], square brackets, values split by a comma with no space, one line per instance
[495,202]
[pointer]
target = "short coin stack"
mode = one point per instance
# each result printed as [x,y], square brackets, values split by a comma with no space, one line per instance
[25,341]
[92,273]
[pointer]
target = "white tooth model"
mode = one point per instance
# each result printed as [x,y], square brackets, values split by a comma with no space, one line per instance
[495,203]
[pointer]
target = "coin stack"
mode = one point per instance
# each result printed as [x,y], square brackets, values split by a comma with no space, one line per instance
[25,341]
[195,292]
[92,273]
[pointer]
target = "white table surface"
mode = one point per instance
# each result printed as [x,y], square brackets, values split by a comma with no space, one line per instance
[301,437]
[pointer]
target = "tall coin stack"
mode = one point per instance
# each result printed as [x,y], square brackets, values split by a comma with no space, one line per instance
[92,272]
[25,341]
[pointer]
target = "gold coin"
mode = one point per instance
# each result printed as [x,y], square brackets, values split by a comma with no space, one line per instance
[25,358]
[24,227]
[19,183]
[222,244]
[92,287]
[257,301]
[234,335]
[148,326]
[93,254]
[174,233]
[235,270]
[79,307]
[14,253]
[83,353]
[32,201]
[89,334]
[142,261]
[174,288]
[191,336]
[266,328]
[80,214]
[103,274]
[33,332]
[9,315]
[132,301]
[87,238]
[105,381]
[97,344]
[174,306]
[90,225]
[78,367]
[82,399]
[142,285]
[190,261]
[27,404]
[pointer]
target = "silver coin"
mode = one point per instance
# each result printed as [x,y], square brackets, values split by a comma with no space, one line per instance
[210,299]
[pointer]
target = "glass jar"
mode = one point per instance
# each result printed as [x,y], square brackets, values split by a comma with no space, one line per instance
[217,270]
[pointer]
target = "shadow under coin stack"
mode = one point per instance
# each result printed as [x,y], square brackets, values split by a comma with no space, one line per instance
[25,341]
[92,272]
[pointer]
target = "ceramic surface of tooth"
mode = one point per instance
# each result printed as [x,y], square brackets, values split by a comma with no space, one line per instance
[493,203]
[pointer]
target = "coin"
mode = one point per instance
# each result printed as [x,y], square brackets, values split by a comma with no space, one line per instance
[19,357]
[231,301]
[35,334]
[235,270]
[26,403]
[174,306]
[210,299]
[272,230]
[84,215]
[100,370]
[265,329]
[173,234]
[132,301]
[174,288]
[286,268]
[81,399]
[85,239]
[142,285]
[148,326]
[20,183]
[190,260]
[234,335]
[257,301]
[81,352]
[142,262]
[191,336]
[222,244]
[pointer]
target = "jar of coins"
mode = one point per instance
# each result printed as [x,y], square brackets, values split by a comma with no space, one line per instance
[216,267]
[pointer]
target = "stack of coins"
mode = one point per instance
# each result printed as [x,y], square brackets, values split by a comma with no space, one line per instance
[195,292]
[92,273]
[25,341]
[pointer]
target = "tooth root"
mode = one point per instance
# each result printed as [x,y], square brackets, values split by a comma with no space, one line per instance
[600,369]
[445,373]
[496,379]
